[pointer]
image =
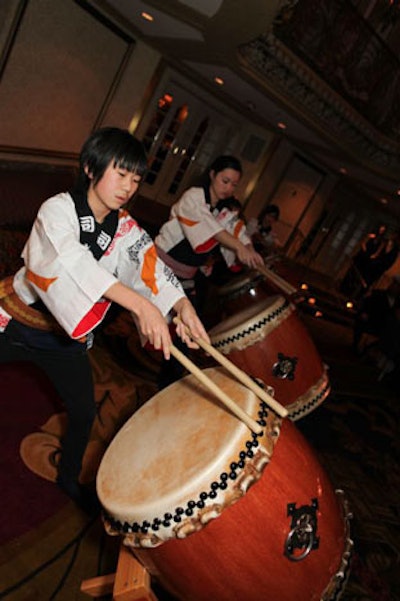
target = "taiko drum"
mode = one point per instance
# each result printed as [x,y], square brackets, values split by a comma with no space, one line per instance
[268,341]
[241,291]
[215,511]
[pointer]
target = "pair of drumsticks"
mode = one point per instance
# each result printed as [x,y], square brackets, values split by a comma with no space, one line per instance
[239,374]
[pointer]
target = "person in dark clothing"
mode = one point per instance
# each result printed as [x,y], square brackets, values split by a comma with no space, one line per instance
[362,271]
[384,260]
[377,315]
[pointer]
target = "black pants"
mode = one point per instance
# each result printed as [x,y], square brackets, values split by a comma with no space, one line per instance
[68,367]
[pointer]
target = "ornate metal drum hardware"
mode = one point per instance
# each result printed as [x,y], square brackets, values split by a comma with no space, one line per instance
[285,367]
[303,531]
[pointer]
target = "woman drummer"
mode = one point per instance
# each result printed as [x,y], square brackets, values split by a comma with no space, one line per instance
[193,232]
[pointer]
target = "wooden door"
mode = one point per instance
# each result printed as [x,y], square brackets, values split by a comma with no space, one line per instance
[182,134]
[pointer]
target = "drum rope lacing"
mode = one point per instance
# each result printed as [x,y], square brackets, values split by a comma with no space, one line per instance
[306,407]
[253,328]
[188,510]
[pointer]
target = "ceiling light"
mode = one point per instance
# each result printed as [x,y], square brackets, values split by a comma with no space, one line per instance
[147,16]
[383,201]
[219,81]
[343,170]
[281,125]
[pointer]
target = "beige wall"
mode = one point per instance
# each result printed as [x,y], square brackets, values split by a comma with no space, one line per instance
[65,74]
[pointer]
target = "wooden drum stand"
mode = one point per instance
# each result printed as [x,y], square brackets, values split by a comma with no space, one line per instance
[131,581]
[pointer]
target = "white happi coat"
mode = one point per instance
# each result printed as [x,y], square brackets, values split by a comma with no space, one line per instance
[63,273]
[232,223]
[190,218]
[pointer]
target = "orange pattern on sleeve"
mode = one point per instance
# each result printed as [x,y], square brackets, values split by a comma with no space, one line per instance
[187,221]
[39,281]
[149,269]
[237,228]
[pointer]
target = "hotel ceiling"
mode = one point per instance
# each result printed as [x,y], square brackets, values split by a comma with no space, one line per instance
[233,40]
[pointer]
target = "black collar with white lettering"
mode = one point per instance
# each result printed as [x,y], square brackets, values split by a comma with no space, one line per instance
[96,236]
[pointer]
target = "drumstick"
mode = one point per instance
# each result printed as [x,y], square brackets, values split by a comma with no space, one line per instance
[276,279]
[239,374]
[224,398]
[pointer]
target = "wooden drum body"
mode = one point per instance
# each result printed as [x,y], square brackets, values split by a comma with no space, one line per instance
[268,341]
[216,512]
[242,291]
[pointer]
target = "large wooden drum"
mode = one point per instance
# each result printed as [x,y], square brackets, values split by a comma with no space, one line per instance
[268,341]
[217,512]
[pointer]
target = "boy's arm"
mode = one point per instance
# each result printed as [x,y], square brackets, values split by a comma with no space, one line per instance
[149,318]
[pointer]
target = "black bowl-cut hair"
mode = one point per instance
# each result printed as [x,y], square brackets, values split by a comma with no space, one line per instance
[110,145]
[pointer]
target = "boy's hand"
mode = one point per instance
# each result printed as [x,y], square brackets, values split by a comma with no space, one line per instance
[189,319]
[153,326]
[148,318]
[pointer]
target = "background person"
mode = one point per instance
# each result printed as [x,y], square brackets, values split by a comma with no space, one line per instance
[261,231]
[230,215]
[362,271]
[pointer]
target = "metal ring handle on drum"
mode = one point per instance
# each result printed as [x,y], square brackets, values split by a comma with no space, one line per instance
[306,551]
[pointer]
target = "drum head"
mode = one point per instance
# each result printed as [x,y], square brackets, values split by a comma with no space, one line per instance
[173,449]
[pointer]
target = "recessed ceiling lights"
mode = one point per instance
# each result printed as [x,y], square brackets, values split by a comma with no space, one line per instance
[147,16]
[219,81]
[281,125]
[343,170]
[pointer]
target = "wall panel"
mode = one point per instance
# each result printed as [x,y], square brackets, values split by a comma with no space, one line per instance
[60,71]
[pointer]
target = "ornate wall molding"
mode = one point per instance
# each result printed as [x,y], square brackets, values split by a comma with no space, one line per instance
[289,78]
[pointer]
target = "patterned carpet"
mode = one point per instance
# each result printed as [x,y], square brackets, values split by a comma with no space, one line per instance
[356,436]
[356,440]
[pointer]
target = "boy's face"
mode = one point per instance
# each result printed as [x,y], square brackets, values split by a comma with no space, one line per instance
[112,191]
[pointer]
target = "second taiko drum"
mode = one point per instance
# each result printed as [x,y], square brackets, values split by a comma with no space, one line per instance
[269,342]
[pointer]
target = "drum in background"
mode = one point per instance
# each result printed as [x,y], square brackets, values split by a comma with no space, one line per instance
[246,289]
[214,511]
[267,340]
